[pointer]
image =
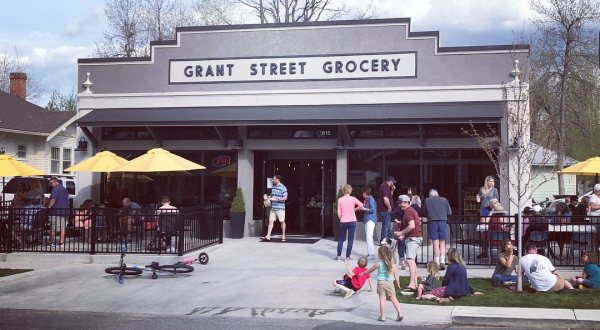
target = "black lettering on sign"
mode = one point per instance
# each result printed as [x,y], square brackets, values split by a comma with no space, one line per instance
[230,69]
[327,67]
[188,71]
[253,71]
[395,62]
[302,64]
[198,70]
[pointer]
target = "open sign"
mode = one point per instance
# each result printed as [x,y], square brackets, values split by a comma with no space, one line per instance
[221,161]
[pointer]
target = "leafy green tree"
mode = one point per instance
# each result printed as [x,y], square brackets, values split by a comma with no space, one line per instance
[60,102]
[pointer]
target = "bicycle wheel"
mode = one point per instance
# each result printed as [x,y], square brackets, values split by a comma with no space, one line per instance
[129,271]
[177,268]
[203,258]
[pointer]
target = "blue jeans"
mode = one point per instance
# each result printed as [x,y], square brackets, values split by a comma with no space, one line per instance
[386,221]
[499,279]
[350,228]
[401,244]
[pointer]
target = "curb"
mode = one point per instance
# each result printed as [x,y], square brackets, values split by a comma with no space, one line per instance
[530,318]
[523,323]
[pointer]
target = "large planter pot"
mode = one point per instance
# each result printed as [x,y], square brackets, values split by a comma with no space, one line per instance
[237,220]
[336,227]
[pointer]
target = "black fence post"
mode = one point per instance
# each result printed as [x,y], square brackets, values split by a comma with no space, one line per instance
[10,234]
[180,233]
[94,231]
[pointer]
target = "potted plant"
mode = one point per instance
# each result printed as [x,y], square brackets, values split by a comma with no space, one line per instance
[237,214]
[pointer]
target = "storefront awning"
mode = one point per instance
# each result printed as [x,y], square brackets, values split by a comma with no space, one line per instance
[296,115]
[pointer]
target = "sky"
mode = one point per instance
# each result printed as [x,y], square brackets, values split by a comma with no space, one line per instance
[51,35]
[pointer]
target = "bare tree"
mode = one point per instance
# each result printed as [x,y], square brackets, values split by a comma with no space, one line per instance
[512,152]
[291,11]
[11,61]
[160,18]
[124,37]
[564,68]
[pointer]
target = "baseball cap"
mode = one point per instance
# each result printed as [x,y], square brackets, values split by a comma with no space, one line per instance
[537,208]
[403,198]
[390,178]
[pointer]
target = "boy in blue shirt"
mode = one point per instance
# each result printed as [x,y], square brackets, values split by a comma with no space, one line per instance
[590,278]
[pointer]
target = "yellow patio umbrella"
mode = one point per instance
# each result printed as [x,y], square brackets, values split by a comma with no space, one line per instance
[586,167]
[104,161]
[590,166]
[12,167]
[159,160]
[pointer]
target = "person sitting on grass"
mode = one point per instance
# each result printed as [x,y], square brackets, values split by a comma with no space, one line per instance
[352,282]
[540,272]
[590,278]
[507,263]
[431,282]
[455,283]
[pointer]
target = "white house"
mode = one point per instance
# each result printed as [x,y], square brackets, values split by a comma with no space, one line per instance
[544,164]
[43,139]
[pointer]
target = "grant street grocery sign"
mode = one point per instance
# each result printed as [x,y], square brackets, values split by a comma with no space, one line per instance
[330,67]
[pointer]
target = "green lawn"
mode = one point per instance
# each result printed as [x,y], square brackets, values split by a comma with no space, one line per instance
[8,271]
[502,297]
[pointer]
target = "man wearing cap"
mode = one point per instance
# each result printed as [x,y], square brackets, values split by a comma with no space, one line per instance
[438,210]
[413,237]
[384,203]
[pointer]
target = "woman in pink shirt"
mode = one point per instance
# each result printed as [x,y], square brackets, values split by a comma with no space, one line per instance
[345,210]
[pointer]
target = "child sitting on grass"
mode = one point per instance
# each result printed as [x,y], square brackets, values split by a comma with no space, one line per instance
[431,282]
[455,283]
[352,282]
[590,278]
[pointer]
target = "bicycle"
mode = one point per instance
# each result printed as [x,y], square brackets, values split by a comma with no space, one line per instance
[177,268]
[180,267]
[122,270]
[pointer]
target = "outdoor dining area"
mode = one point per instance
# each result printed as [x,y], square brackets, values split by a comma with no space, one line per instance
[98,228]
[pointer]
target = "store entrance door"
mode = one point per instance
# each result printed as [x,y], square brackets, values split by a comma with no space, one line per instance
[310,185]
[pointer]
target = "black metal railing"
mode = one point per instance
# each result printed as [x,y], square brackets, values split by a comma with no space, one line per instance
[109,230]
[560,238]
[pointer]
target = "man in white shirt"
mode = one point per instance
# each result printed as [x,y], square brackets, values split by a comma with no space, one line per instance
[595,203]
[541,273]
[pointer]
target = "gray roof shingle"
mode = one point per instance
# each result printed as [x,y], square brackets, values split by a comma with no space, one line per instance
[20,115]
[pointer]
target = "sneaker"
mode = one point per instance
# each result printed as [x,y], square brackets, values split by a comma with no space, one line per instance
[337,258]
[349,258]
[382,242]
[52,245]
[399,318]
[442,267]
[349,294]
[381,318]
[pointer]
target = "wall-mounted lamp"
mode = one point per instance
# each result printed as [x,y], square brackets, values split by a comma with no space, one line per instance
[81,145]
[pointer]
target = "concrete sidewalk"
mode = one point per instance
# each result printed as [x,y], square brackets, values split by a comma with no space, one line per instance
[246,278]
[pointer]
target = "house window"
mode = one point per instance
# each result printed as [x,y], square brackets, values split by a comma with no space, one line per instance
[21,151]
[66,161]
[55,160]
[60,158]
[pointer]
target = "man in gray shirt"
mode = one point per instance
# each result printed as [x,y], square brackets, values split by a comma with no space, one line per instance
[438,209]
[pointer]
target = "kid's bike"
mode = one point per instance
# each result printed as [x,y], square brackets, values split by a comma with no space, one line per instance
[176,268]
[123,270]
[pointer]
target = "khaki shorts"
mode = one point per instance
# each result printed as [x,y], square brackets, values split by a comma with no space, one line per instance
[277,215]
[412,247]
[58,223]
[387,288]
[559,285]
